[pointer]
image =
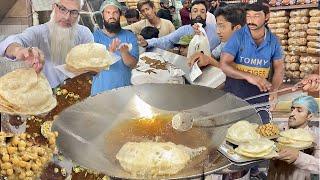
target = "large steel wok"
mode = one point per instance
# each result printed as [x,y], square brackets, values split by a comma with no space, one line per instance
[83,127]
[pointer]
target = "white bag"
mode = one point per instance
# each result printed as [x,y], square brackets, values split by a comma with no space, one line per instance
[199,43]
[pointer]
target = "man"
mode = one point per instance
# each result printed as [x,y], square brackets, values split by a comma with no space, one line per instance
[198,15]
[164,11]
[148,10]
[183,44]
[248,55]
[215,4]
[50,41]
[132,16]
[119,74]
[185,12]
[229,19]
[149,32]
[292,163]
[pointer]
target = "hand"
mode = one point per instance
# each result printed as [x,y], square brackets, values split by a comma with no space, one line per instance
[196,29]
[311,83]
[32,56]
[273,99]
[288,155]
[202,59]
[262,83]
[114,45]
[141,41]
[124,48]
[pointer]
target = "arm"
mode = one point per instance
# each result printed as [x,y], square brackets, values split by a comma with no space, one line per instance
[20,47]
[226,64]
[277,78]
[308,162]
[168,41]
[131,58]
[203,60]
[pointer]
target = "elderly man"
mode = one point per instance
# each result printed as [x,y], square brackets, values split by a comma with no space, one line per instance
[198,15]
[117,40]
[148,10]
[51,41]
[292,163]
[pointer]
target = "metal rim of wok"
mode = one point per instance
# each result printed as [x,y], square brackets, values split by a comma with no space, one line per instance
[82,127]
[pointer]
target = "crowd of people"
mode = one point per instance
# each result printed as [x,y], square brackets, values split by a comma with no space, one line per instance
[240,41]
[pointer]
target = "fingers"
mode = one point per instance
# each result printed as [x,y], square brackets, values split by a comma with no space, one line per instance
[195,57]
[114,45]
[263,85]
[141,41]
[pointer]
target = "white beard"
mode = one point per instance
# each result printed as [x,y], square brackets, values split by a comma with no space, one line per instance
[62,40]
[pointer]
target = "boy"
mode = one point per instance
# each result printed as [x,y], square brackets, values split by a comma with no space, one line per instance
[229,19]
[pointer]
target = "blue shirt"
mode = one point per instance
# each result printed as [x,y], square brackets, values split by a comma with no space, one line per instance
[119,74]
[251,58]
[39,36]
[168,41]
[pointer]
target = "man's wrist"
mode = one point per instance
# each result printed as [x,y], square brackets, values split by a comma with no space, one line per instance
[145,45]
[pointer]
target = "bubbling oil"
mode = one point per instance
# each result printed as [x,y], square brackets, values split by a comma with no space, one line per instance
[158,128]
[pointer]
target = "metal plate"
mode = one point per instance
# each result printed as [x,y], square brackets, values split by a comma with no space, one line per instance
[82,128]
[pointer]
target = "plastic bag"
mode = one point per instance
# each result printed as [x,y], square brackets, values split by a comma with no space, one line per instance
[199,43]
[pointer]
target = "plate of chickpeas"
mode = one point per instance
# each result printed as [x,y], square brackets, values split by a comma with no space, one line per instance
[21,157]
[270,130]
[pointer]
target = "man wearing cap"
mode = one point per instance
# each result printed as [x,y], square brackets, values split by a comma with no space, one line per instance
[291,163]
[49,42]
[198,15]
[183,44]
[164,11]
[118,41]
[148,10]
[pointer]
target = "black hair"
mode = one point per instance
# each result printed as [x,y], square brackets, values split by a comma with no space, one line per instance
[258,6]
[132,13]
[143,2]
[172,7]
[199,2]
[149,32]
[233,14]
